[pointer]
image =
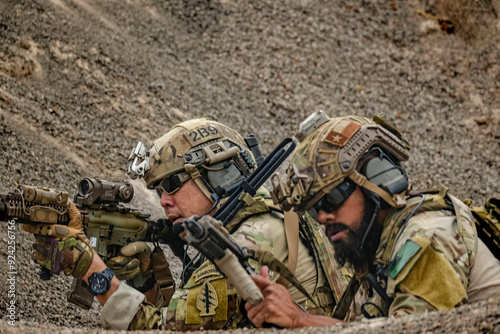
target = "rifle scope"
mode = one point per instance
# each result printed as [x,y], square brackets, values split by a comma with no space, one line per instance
[95,190]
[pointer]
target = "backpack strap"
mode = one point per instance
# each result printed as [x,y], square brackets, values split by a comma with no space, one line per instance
[487,221]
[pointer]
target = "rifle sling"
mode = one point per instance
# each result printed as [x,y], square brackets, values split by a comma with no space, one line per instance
[347,297]
[292,239]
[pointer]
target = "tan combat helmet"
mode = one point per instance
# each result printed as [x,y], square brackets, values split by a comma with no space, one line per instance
[330,153]
[212,154]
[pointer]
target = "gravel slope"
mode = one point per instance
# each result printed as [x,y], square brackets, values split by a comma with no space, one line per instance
[81,81]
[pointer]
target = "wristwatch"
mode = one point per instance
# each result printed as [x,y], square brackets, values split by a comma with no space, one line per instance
[99,283]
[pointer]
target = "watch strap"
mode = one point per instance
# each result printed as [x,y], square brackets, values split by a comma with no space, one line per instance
[107,273]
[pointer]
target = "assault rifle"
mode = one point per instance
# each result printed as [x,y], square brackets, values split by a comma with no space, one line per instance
[106,222]
[208,235]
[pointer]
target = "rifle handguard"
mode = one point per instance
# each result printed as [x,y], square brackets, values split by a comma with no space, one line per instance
[209,237]
[234,271]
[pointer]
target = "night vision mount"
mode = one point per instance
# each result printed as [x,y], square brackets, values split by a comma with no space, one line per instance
[139,158]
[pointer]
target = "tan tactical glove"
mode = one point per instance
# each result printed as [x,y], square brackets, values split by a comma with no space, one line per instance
[133,263]
[60,247]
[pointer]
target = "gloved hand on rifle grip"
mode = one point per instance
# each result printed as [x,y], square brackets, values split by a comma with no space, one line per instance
[135,259]
[60,247]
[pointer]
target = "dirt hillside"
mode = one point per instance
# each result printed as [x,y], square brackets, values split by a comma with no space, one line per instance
[81,81]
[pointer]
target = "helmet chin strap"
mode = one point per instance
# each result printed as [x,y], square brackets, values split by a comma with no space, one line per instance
[376,200]
[203,186]
[179,228]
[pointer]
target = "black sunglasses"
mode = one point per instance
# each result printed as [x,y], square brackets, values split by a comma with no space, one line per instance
[334,199]
[171,184]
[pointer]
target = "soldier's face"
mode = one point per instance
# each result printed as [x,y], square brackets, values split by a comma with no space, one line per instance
[346,219]
[346,226]
[187,201]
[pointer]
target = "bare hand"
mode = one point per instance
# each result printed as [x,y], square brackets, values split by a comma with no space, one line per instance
[277,307]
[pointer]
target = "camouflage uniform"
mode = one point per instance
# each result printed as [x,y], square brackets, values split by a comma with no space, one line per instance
[429,256]
[434,261]
[257,227]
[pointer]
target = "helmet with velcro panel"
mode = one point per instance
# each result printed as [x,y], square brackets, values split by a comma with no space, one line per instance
[215,156]
[337,154]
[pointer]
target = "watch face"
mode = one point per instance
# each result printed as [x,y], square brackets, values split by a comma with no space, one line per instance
[99,284]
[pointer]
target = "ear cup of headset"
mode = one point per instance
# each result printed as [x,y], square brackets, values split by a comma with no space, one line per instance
[223,177]
[386,174]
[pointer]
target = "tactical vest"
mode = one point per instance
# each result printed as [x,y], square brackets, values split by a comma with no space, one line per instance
[193,306]
[337,276]
[303,229]
[396,221]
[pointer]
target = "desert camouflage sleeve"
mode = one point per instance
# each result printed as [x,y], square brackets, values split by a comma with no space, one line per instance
[431,263]
[207,301]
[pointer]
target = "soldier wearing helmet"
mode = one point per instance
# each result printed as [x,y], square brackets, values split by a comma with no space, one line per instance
[410,253]
[193,168]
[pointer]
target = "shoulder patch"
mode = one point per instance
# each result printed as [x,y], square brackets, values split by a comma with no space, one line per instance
[433,279]
[405,254]
[207,269]
[207,300]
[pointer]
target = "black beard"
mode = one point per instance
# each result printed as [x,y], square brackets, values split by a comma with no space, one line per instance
[349,251]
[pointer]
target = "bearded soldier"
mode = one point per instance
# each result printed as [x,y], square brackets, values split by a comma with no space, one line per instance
[410,253]
[193,168]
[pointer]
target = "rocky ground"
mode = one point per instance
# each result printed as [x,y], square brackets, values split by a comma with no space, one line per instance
[483,317]
[81,81]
